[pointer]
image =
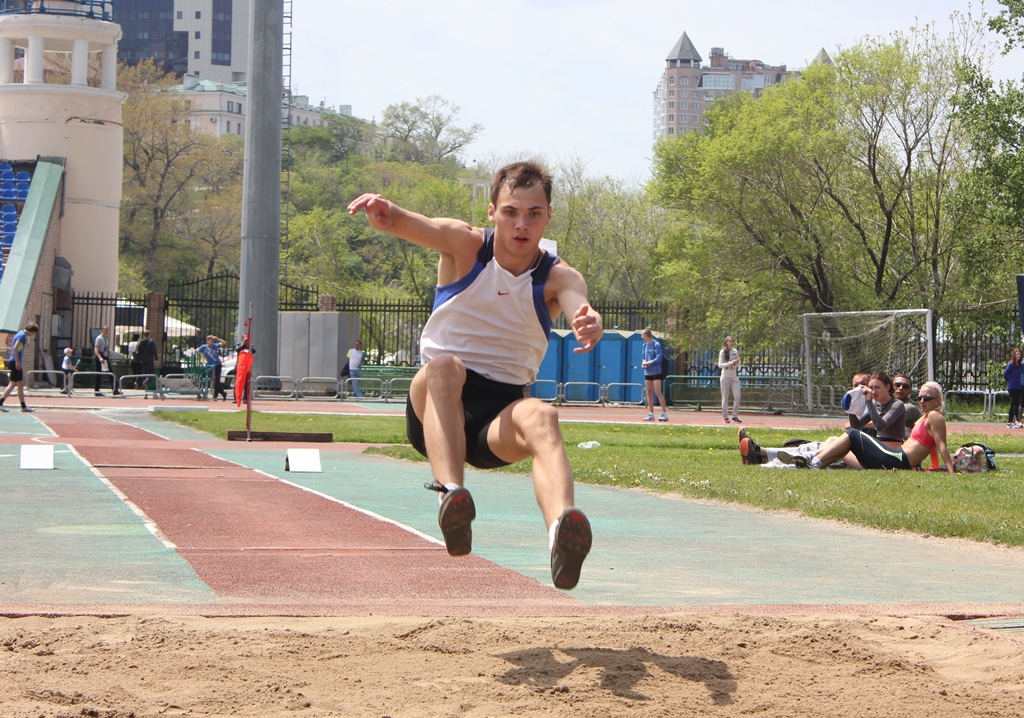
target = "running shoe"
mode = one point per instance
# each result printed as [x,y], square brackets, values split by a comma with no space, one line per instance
[649,417]
[27,410]
[455,518]
[573,539]
[750,451]
[663,417]
[3,409]
[736,419]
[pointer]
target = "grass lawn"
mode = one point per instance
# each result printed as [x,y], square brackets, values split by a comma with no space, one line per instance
[704,463]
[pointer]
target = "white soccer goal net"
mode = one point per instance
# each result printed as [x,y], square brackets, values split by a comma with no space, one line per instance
[840,344]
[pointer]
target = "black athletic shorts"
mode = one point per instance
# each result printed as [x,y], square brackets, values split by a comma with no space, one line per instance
[873,454]
[654,377]
[16,374]
[482,400]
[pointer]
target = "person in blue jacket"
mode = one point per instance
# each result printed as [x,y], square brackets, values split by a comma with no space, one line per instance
[653,375]
[1013,373]
[16,367]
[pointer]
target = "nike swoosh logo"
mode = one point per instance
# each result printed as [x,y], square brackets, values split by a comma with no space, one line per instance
[501,293]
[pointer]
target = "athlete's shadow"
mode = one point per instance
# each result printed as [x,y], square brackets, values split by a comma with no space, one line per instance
[621,670]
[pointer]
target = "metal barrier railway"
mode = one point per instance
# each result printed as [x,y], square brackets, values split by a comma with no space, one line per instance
[698,392]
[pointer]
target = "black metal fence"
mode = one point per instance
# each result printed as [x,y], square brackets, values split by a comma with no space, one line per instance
[628,316]
[210,306]
[198,308]
[389,330]
[192,310]
[971,348]
[123,314]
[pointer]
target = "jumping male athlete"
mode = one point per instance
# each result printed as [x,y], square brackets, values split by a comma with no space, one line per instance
[498,293]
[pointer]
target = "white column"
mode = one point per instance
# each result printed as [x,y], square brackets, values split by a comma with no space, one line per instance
[34,60]
[6,61]
[109,81]
[80,62]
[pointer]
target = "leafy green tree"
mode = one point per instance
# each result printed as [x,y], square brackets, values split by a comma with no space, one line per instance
[832,192]
[994,118]
[426,131]
[168,167]
[609,232]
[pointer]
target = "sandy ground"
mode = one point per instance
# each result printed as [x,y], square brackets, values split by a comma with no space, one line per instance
[659,665]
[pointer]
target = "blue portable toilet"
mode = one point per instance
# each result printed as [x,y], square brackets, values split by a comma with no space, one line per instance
[611,364]
[578,368]
[550,368]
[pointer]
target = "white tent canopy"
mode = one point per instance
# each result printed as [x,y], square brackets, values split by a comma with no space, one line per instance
[172,327]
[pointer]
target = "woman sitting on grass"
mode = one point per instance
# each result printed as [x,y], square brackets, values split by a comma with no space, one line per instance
[928,434]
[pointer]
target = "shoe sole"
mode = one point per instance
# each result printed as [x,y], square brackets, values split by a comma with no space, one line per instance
[787,458]
[455,518]
[573,540]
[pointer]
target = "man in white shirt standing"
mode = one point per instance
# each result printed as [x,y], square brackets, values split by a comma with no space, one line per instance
[355,368]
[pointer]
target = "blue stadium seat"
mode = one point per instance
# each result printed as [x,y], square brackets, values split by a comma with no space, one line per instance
[5,167]
[21,194]
[8,210]
[8,194]
[6,176]
[9,227]
[22,177]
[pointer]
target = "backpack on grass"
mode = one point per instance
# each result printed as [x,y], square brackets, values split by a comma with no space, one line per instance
[973,457]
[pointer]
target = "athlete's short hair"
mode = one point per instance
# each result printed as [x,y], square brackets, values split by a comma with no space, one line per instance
[518,175]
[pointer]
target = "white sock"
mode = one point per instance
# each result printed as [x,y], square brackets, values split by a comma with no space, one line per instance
[815,463]
[450,487]
[552,531]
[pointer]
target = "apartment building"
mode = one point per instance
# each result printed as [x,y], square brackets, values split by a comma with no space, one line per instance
[208,39]
[219,108]
[688,85]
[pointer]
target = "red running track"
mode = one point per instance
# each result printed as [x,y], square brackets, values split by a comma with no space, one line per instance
[264,546]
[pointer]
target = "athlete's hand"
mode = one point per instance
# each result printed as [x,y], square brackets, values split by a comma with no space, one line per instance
[378,210]
[586,326]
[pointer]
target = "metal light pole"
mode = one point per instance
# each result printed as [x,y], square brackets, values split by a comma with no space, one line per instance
[261,183]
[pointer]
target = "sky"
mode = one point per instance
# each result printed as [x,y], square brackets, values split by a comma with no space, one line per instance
[566,79]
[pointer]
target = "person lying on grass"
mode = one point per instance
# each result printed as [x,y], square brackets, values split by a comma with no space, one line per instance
[928,437]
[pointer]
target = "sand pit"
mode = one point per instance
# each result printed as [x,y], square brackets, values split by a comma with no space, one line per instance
[661,665]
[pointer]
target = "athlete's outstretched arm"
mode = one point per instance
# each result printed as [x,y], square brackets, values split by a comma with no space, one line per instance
[570,290]
[443,234]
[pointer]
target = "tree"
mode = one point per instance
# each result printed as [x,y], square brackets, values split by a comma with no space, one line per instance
[1010,23]
[166,161]
[609,232]
[832,192]
[426,131]
[994,118]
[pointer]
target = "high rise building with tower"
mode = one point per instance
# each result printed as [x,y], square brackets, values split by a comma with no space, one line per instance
[688,86]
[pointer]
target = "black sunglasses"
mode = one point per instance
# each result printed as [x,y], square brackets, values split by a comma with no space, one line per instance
[901,384]
[922,397]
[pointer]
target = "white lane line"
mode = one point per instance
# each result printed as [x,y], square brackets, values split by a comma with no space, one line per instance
[365,512]
[146,521]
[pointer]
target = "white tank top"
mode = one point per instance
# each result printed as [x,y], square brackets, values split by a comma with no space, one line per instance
[495,322]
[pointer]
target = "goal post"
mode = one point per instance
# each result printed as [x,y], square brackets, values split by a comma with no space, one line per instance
[837,345]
